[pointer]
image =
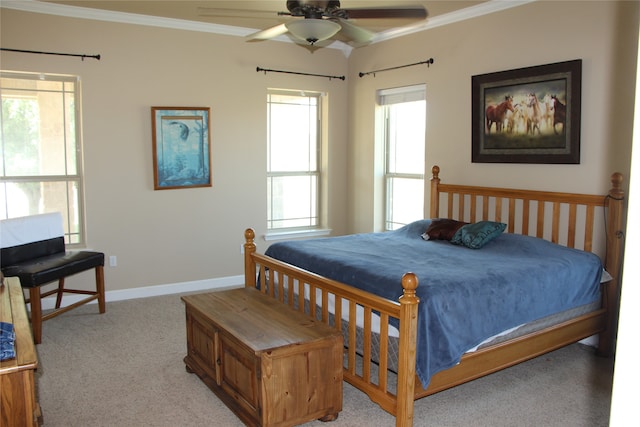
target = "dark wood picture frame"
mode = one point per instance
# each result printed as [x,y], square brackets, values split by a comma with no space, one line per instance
[527,115]
[181,147]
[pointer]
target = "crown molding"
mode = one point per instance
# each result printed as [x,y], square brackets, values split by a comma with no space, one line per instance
[486,8]
[122,17]
[491,6]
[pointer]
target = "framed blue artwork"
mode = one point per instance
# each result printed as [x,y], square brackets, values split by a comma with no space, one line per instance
[181,147]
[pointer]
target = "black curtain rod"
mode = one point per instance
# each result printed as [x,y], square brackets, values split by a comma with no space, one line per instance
[51,53]
[258,69]
[428,62]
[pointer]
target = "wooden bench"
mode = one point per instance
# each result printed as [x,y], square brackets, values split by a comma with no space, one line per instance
[268,363]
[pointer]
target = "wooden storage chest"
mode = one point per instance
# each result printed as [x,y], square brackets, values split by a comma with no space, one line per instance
[271,365]
[18,404]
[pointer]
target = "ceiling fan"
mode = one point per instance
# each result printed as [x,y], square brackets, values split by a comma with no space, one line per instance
[324,19]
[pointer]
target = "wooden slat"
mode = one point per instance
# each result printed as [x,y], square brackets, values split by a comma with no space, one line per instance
[263,280]
[312,300]
[540,220]
[555,222]
[351,364]
[571,226]
[525,217]
[498,211]
[290,284]
[485,207]
[512,215]
[301,285]
[338,312]
[325,306]
[473,209]
[272,283]
[366,354]
[588,230]
[280,286]
[383,374]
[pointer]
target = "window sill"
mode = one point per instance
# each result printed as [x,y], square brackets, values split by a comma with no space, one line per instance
[284,235]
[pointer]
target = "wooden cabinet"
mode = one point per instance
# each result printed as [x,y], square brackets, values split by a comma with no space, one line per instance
[18,405]
[269,364]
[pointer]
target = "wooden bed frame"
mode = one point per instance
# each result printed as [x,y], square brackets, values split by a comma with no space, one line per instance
[564,218]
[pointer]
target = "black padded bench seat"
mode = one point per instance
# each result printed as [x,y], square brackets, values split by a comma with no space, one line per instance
[51,262]
[41,262]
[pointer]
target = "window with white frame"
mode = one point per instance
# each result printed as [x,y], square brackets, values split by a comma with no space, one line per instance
[404,122]
[40,149]
[293,160]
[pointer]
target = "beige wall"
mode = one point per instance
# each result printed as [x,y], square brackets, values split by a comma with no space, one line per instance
[601,33]
[172,236]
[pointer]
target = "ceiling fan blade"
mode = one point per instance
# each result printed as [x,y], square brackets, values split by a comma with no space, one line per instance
[268,33]
[354,33]
[235,13]
[386,13]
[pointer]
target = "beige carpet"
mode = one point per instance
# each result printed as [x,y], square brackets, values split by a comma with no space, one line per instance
[124,368]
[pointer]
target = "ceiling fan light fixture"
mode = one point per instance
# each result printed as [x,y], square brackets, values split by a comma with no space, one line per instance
[313,30]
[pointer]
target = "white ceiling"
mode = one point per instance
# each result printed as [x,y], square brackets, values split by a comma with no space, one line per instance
[241,18]
[256,14]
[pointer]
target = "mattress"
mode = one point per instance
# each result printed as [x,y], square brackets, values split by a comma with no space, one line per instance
[466,295]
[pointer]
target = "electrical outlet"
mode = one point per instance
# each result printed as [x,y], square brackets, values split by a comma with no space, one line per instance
[113,261]
[241,248]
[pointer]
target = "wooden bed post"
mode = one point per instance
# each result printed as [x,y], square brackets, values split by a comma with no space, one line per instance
[249,265]
[435,194]
[615,206]
[407,351]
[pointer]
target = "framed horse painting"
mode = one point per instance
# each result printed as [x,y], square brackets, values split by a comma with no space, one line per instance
[527,115]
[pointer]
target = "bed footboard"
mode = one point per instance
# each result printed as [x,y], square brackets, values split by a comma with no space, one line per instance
[345,309]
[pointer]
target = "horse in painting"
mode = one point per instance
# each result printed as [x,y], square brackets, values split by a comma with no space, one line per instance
[559,113]
[546,109]
[534,114]
[497,113]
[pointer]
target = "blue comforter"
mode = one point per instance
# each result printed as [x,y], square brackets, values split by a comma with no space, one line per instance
[466,295]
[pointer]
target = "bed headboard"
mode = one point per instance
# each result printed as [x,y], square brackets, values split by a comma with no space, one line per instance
[589,222]
[569,219]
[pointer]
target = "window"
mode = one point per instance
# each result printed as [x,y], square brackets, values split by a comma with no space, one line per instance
[293,160]
[40,157]
[404,120]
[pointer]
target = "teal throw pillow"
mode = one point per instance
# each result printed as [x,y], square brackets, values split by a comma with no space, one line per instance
[478,234]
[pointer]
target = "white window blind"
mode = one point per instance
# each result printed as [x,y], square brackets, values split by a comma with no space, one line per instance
[402,94]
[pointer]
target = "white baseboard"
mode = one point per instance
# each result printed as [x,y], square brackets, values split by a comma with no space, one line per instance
[153,291]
